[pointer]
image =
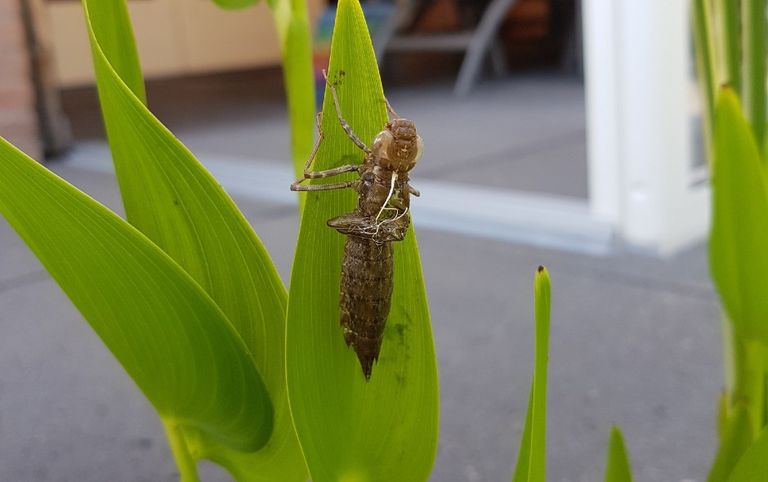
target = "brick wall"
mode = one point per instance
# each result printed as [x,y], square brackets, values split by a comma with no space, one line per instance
[18,118]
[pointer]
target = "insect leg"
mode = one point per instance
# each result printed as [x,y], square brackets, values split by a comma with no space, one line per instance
[391,110]
[344,124]
[324,187]
[321,174]
[331,172]
[320,137]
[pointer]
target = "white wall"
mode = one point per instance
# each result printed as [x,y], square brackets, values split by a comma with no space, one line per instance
[639,120]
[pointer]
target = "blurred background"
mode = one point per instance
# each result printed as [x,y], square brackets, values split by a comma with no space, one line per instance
[557,132]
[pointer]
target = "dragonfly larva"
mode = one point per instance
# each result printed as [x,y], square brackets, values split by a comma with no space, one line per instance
[381,217]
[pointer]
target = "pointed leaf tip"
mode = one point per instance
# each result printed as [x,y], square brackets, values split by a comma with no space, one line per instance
[531,459]
[617,467]
[351,429]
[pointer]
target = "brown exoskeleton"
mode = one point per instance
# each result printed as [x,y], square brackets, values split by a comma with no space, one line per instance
[381,217]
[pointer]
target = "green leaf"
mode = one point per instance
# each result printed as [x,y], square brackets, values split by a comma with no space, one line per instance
[524,451]
[350,429]
[753,465]
[293,29]
[617,468]
[735,441]
[532,456]
[738,258]
[296,39]
[167,333]
[172,199]
[109,22]
[235,4]
[754,68]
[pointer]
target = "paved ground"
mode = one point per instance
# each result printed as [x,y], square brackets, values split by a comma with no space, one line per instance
[635,340]
[525,133]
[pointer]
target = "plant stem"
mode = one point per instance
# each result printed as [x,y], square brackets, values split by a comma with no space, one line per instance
[753,94]
[749,379]
[728,16]
[705,63]
[181,454]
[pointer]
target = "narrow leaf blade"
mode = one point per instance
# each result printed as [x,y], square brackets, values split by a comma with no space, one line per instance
[532,455]
[738,258]
[617,467]
[167,333]
[524,451]
[350,429]
[235,4]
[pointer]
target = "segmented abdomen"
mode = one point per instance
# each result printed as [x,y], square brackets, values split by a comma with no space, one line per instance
[366,291]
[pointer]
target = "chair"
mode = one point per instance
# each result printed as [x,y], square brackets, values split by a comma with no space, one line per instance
[476,43]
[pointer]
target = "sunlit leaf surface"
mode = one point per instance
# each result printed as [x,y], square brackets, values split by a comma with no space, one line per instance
[753,465]
[167,333]
[531,458]
[737,248]
[350,429]
[172,199]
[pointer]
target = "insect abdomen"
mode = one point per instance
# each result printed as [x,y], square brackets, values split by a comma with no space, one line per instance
[366,291]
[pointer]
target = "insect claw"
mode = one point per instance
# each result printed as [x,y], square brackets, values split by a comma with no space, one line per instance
[367,369]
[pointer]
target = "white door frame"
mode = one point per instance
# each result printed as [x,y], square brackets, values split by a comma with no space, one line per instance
[639,123]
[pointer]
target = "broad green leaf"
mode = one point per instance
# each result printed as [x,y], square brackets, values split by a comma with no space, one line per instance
[167,333]
[738,258]
[753,465]
[736,440]
[350,429]
[617,468]
[173,200]
[109,22]
[532,455]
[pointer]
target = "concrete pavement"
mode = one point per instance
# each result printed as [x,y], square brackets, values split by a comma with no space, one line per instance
[635,340]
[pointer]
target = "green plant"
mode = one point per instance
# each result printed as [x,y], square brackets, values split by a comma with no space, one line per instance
[189,302]
[341,419]
[731,58]
[531,457]
[292,24]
